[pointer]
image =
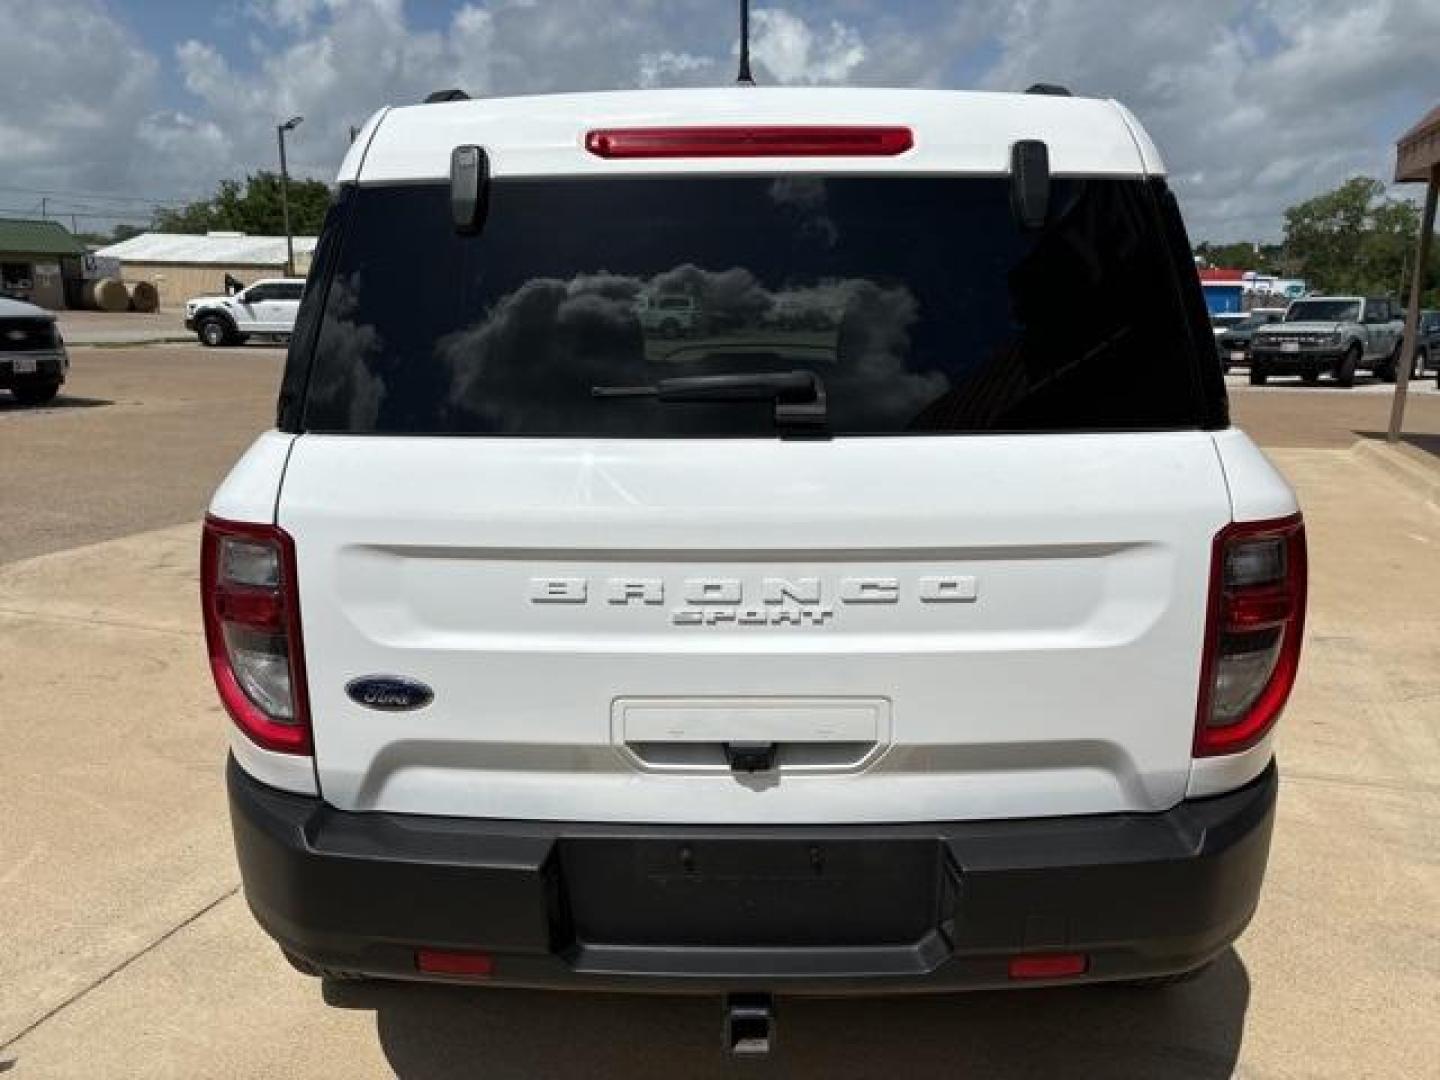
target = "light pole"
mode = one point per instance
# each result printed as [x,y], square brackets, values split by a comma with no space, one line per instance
[289,125]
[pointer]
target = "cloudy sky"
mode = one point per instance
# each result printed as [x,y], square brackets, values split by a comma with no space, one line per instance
[1255,104]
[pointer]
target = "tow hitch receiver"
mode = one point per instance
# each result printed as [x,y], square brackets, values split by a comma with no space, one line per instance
[749,757]
[749,1025]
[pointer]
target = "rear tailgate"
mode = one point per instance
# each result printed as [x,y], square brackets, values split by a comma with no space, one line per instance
[930,628]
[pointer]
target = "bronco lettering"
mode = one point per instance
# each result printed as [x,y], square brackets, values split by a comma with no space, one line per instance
[728,601]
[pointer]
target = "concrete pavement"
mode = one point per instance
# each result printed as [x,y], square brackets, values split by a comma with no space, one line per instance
[138,438]
[123,327]
[129,953]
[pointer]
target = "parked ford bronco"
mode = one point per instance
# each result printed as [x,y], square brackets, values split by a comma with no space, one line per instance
[940,646]
[1335,334]
[1427,343]
[267,308]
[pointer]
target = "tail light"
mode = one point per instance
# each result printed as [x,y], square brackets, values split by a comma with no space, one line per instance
[252,629]
[696,142]
[1253,630]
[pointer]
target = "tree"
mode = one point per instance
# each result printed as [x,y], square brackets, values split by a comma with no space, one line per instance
[1353,239]
[1244,255]
[253,208]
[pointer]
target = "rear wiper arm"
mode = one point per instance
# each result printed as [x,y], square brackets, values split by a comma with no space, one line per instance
[799,396]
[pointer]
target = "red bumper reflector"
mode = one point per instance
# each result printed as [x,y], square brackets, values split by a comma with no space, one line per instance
[447,962]
[1048,965]
[692,142]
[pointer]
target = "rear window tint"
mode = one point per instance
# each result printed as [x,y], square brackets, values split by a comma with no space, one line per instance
[918,302]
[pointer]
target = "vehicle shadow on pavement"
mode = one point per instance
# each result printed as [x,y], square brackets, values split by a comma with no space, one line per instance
[1190,1031]
[64,401]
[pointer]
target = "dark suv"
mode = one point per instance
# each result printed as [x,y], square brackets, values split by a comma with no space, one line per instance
[1233,343]
[33,360]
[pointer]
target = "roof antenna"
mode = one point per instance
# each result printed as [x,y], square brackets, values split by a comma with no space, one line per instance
[745,78]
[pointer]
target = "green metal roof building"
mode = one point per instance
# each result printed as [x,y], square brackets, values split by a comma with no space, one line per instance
[40,262]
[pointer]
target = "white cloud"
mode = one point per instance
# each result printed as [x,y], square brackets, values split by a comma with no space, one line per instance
[1254,104]
[787,48]
[76,84]
[668,68]
[289,14]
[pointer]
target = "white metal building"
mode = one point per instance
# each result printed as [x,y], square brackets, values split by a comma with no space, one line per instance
[182,265]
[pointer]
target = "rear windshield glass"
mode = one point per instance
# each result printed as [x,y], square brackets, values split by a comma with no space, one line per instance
[919,303]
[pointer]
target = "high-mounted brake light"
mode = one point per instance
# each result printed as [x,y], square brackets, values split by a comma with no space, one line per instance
[1253,630]
[252,629]
[693,142]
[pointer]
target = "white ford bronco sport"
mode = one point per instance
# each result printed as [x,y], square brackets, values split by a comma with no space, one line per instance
[938,644]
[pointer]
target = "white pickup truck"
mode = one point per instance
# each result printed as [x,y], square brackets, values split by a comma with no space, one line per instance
[939,647]
[265,309]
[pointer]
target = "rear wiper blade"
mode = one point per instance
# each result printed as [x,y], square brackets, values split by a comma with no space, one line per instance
[799,396]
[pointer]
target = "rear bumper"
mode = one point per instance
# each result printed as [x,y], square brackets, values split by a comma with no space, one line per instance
[48,367]
[791,909]
[1296,363]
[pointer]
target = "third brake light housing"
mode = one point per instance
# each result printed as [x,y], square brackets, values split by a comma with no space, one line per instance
[749,141]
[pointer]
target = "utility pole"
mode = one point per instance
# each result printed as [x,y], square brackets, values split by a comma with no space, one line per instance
[280,130]
[1412,317]
[43,204]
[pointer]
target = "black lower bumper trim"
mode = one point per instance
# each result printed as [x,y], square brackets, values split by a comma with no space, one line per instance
[799,909]
[1296,363]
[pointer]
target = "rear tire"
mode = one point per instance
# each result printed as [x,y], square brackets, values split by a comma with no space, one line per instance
[1259,376]
[1345,371]
[36,393]
[213,332]
[1311,376]
[1422,361]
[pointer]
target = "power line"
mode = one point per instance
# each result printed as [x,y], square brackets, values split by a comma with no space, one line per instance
[68,206]
[97,195]
[117,215]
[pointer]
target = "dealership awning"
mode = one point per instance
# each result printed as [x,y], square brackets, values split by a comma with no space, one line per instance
[1417,161]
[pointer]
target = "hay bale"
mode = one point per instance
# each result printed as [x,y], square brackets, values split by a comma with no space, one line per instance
[144,296]
[106,294]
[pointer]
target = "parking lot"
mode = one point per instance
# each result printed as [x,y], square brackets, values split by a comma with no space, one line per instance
[129,950]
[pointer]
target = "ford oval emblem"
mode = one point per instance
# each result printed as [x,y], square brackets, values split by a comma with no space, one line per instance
[390,693]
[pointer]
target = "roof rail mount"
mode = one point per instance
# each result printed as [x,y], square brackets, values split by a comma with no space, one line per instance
[453,94]
[469,188]
[1049,89]
[1030,183]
